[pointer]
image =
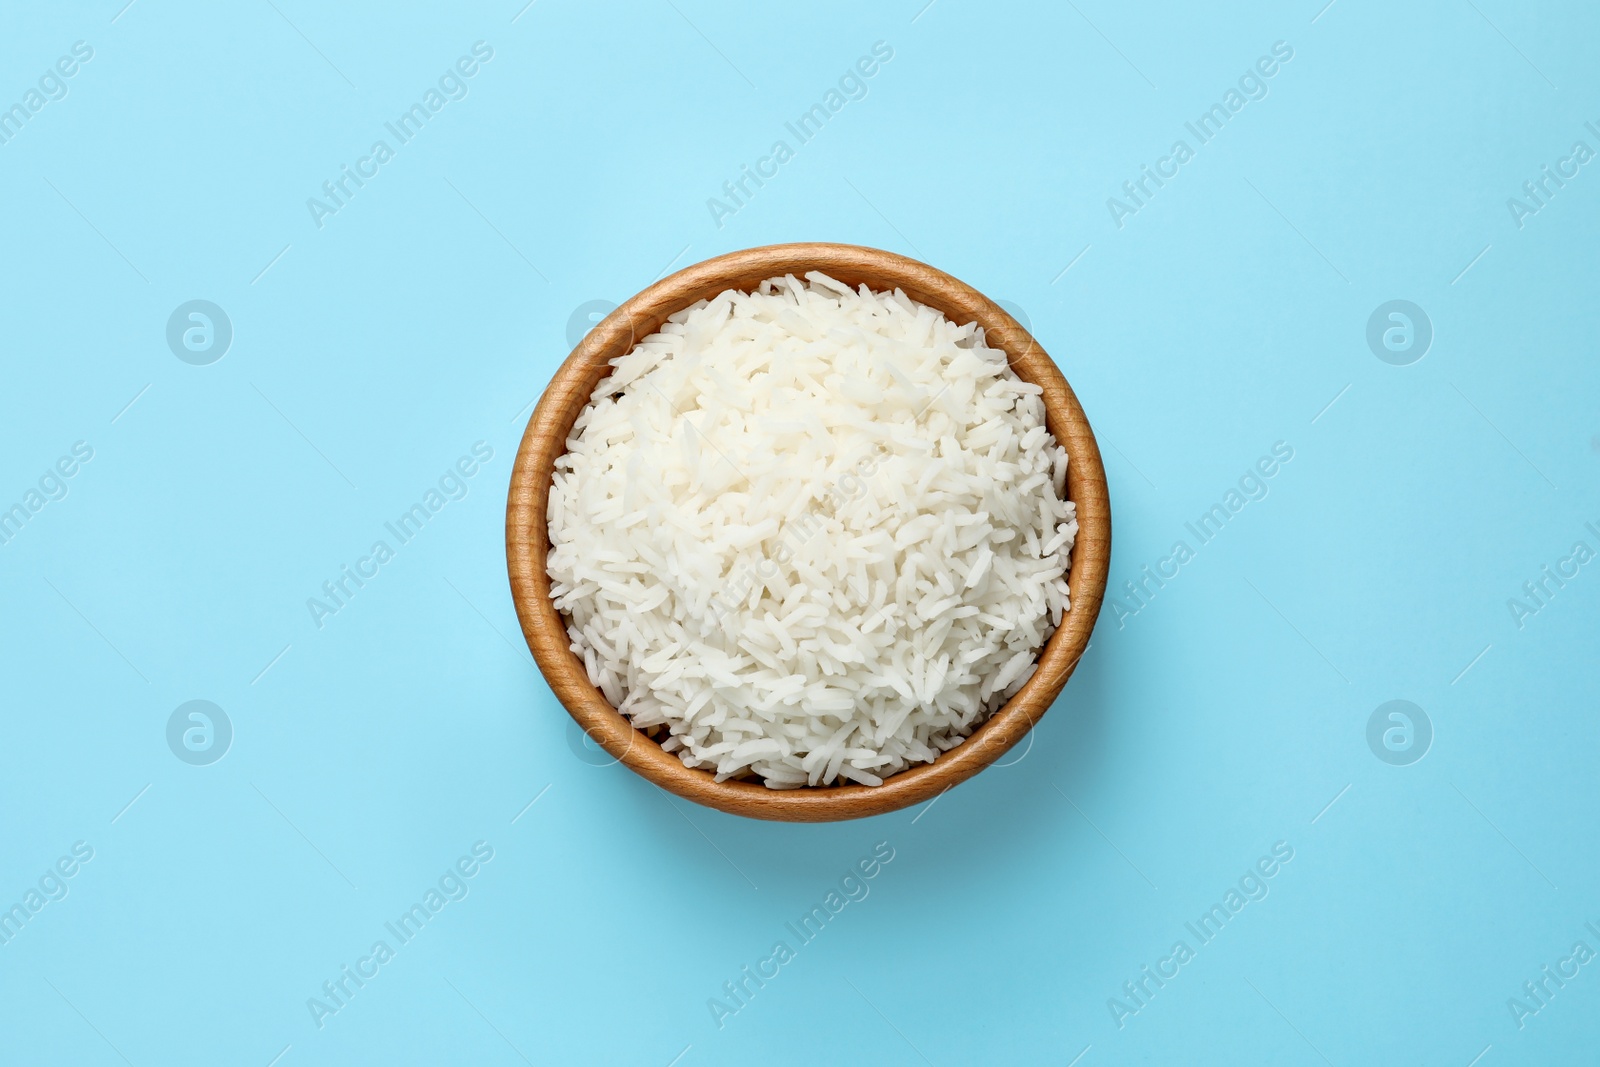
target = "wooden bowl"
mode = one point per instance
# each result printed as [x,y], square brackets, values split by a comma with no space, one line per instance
[527,540]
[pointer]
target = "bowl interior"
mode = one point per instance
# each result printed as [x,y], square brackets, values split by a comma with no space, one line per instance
[527,539]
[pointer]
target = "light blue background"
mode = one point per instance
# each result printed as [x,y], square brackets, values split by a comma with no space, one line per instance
[428,314]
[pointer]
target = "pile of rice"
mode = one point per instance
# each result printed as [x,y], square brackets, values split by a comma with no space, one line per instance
[817,534]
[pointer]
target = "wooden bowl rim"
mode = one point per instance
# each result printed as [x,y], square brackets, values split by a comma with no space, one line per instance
[543,441]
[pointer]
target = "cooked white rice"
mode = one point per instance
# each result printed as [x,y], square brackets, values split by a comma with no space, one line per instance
[817,534]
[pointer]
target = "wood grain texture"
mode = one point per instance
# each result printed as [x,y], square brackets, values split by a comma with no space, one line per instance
[527,540]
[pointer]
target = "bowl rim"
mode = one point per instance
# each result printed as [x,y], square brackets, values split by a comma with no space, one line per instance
[544,440]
